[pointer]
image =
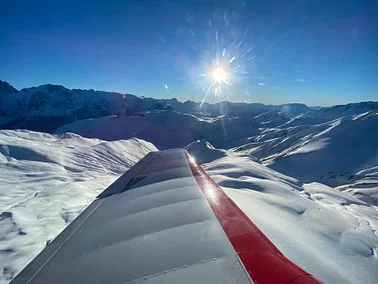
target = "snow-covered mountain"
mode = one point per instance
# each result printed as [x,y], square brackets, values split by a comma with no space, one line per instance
[6,88]
[317,116]
[47,107]
[334,153]
[166,129]
[308,177]
[338,111]
[46,181]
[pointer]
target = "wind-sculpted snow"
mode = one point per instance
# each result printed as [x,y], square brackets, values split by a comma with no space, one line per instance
[329,233]
[165,129]
[334,153]
[204,151]
[46,181]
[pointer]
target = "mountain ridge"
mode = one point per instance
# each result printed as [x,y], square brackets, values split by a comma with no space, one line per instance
[48,107]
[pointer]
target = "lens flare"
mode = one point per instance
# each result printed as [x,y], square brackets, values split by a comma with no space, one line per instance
[223,70]
[219,75]
[221,60]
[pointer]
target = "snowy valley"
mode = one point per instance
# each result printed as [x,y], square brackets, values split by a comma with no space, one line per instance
[308,177]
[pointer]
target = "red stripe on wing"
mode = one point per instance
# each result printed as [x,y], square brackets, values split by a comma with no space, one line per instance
[263,261]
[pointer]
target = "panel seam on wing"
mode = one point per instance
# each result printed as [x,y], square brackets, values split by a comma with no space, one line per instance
[163,160]
[156,183]
[153,193]
[158,171]
[165,180]
[103,194]
[140,212]
[133,238]
[174,270]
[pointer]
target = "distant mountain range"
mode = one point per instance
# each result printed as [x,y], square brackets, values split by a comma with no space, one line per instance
[47,107]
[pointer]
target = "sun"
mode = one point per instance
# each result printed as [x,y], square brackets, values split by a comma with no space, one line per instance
[219,75]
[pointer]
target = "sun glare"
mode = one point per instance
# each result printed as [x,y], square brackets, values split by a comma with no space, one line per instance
[219,75]
[224,64]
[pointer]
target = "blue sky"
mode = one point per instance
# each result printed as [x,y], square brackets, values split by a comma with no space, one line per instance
[315,52]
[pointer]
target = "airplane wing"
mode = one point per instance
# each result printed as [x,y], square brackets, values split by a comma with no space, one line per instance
[163,221]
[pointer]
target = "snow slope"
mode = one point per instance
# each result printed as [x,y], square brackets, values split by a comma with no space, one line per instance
[333,153]
[327,232]
[333,112]
[179,129]
[46,181]
[165,129]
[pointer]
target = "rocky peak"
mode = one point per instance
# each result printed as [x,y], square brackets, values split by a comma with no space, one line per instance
[6,88]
